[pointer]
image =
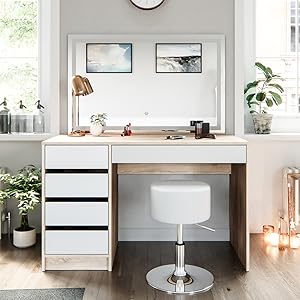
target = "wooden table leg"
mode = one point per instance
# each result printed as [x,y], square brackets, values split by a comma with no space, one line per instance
[113,216]
[238,213]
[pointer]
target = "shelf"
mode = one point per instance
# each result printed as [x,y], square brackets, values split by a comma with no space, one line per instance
[24,137]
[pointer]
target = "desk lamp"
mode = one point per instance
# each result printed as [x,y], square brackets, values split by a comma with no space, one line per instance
[80,87]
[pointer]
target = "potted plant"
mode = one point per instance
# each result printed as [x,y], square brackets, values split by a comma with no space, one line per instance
[97,123]
[25,187]
[261,94]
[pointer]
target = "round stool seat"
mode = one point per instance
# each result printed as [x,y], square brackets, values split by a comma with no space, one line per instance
[180,202]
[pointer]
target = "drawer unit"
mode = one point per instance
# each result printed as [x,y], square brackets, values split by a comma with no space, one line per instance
[179,154]
[76,157]
[73,242]
[76,185]
[82,213]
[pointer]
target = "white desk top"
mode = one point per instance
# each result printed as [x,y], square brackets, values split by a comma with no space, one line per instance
[113,138]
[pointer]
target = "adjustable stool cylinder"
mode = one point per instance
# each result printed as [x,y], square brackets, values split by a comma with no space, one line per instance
[180,202]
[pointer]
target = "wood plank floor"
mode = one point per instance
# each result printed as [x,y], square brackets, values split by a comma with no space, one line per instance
[273,275]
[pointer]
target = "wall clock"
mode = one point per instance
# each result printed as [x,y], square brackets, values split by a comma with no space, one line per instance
[147,4]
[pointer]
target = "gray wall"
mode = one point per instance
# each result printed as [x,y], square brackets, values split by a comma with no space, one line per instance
[175,16]
[119,16]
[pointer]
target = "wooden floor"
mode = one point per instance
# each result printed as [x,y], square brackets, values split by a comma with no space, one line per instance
[273,274]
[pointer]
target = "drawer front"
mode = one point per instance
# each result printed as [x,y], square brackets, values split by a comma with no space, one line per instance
[76,213]
[76,242]
[76,185]
[179,154]
[76,157]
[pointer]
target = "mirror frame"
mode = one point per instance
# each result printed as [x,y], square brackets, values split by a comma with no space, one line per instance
[73,107]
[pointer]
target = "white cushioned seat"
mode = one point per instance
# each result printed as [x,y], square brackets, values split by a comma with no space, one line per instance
[180,202]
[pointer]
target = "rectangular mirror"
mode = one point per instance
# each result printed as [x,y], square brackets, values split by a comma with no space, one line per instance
[155,81]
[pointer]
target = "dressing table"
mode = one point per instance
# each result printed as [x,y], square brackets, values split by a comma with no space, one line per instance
[80,190]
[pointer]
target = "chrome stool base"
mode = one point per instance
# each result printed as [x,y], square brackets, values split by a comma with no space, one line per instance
[201,280]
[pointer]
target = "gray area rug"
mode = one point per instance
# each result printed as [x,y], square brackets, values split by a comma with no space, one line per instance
[42,294]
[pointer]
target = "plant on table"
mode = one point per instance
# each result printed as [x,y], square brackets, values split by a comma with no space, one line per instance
[97,123]
[99,119]
[262,94]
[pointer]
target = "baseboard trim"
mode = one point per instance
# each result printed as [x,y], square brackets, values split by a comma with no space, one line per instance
[159,234]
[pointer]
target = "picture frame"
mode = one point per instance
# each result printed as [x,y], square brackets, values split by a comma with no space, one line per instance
[178,58]
[109,58]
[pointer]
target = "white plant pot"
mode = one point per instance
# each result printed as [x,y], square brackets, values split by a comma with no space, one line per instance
[262,123]
[24,239]
[96,129]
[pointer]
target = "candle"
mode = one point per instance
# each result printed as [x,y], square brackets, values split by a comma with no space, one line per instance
[295,242]
[268,230]
[283,241]
[274,239]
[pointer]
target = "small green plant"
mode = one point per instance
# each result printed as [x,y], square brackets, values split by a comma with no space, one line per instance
[267,91]
[26,188]
[99,119]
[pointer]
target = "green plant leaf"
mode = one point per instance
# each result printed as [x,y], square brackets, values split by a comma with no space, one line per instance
[277,77]
[269,102]
[251,85]
[264,69]
[254,102]
[250,97]
[276,98]
[277,86]
[270,71]
[261,96]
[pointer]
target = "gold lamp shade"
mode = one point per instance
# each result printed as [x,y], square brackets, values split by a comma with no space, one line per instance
[81,86]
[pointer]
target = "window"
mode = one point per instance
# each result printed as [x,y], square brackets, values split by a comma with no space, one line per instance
[19,63]
[292,24]
[29,59]
[276,35]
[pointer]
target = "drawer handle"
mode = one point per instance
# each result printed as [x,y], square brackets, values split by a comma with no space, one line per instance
[77,228]
[79,171]
[67,199]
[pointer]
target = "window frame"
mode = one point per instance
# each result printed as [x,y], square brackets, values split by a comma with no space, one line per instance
[245,57]
[48,70]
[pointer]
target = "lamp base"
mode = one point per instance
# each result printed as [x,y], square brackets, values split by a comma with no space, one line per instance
[201,280]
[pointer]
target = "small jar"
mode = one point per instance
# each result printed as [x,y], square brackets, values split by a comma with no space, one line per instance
[268,230]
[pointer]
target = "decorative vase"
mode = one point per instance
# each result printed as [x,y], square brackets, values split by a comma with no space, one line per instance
[262,123]
[24,239]
[96,129]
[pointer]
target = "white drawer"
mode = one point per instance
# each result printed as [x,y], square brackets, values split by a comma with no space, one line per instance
[76,157]
[76,185]
[179,154]
[76,242]
[76,213]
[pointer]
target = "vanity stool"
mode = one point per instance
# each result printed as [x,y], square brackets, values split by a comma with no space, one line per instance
[180,202]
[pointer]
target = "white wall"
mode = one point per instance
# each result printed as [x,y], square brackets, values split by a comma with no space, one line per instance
[174,16]
[266,159]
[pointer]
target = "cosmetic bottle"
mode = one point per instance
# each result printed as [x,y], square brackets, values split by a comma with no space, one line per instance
[4,118]
[21,121]
[39,118]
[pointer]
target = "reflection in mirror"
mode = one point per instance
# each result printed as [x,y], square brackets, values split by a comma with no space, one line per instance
[143,97]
